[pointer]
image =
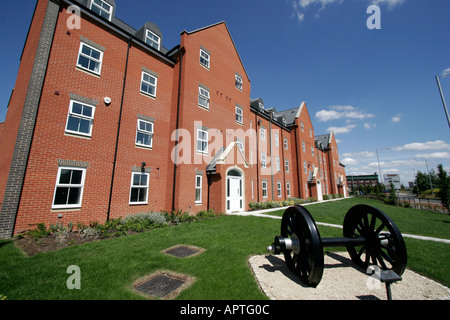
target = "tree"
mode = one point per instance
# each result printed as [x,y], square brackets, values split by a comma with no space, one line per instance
[444,187]
[392,194]
[422,182]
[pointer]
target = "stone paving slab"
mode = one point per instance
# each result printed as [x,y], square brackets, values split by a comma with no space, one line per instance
[342,280]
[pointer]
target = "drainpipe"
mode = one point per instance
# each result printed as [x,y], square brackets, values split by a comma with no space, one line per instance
[175,167]
[271,159]
[118,129]
[257,155]
[284,161]
[298,159]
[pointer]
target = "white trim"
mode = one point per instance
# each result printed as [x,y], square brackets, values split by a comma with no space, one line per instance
[151,40]
[262,189]
[198,188]
[110,12]
[202,140]
[205,96]
[207,57]
[80,116]
[238,82]
[149,84]
[61,185]
[139,187]
[145,132]
[99,61]
[241,115]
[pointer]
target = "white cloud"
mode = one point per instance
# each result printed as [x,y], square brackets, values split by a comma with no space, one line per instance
[349,162]
[369,126]
[435,155]
[339,130]
[362,154]
[342,112]
[419,146]
[446,71]
[391,4]
[300,6]
[397,118]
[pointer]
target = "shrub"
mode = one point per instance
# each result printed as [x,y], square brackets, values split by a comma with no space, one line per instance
[40,231]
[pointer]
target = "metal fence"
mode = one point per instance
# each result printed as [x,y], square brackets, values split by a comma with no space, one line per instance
[434,205]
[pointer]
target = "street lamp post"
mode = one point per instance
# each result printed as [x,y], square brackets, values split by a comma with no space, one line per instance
[442,96]
[378,159]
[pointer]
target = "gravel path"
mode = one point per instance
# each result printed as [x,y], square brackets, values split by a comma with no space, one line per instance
[341,280]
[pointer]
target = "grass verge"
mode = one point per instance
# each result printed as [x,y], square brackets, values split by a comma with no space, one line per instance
[109,267]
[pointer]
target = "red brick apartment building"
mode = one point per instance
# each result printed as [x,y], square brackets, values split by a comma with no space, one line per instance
[104,122]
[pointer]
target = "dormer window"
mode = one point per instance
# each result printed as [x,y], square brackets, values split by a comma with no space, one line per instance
[261,106]
[274,115]
[102,8]
[153,40]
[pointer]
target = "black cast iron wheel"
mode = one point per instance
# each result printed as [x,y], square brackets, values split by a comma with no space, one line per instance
[384,245]
[308,263]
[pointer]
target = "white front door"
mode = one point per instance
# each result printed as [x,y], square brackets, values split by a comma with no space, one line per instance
[235,198]
[319,191]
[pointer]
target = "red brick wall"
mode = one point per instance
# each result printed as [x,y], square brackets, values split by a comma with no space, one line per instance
[224,96]
[51,143]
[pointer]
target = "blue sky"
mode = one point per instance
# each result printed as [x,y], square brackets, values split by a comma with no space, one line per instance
[374,88]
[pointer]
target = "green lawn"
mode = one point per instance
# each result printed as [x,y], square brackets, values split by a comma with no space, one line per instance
[109,267]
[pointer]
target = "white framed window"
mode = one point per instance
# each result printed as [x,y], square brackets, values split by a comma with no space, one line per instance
[288,189]
[203,97]
[205,58]
[287,165]
[312,151]
[303,146]
[144,133]
[69,188]
[239,115]
[277,160]
[305,166]
[102,8]
[80,118]
[198,188]
[90,59]
[139,188]
[264,189]
[202,141]
[153,40]
[262,133]
[277,140]
[240,145]
[286,144]
[279,189]
[238,82]
[310,133]
[263,160]
[149,84]
[302,126]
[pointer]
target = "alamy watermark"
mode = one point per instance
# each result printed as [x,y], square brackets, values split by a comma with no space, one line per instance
[374,21]
[373,282]
[74,281]
[74,21]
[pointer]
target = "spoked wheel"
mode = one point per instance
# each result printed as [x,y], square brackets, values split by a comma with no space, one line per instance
[306,261]
[384,245]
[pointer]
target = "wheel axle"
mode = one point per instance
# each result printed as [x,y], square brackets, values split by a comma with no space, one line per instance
[370,236]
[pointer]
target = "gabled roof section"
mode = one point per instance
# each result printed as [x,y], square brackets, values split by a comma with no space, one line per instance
[292,114]
[222,155]
[229,34]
